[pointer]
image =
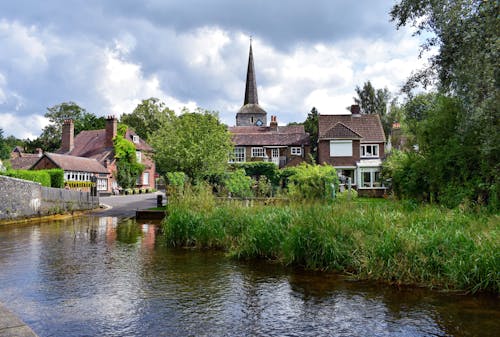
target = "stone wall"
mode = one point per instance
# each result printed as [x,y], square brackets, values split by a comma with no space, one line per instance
[25,199]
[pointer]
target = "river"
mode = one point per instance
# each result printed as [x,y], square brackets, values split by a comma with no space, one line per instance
[100,276]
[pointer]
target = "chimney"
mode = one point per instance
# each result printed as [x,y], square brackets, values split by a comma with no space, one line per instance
[111,127]
[273,124]
[355,109]
[39,152]
[68,135]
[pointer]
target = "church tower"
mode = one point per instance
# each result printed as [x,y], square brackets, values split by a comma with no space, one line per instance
[251,114]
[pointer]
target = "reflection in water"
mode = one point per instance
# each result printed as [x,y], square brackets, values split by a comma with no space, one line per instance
[97,276]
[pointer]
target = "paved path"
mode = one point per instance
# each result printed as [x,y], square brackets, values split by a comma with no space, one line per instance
[124,206]
[12,326]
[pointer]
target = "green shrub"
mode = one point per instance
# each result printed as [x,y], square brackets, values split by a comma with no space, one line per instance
[347,195]
[238,184]
[258,169]
[39,176]
[56,178]
[312,182]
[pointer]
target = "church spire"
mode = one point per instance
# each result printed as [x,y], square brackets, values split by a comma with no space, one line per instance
[251,85]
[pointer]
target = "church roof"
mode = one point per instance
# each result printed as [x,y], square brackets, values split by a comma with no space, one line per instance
[251,84]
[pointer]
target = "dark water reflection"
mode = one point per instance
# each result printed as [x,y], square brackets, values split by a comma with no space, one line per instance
[97,277]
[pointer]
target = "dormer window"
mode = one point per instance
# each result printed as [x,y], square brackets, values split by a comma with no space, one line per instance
[135,139]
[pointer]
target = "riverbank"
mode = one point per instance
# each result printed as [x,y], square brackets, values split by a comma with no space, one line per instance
[11,325]
[392,242]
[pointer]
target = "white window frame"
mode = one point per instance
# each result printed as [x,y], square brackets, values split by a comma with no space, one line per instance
[138,156]
[239,155]
[341,148]
[372,148]
[258,152]
[296,151]
[135,139]
[102,184]
[145,178]
[372,183]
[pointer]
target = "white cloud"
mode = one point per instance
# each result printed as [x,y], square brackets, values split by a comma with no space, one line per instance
[21,127]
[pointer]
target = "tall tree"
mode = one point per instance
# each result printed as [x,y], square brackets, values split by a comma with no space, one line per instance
[464,34]
[311,126]
[374,101]
[195,143]
[147,116]
[4,149]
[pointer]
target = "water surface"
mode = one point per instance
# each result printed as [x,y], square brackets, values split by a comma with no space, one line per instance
[96,276]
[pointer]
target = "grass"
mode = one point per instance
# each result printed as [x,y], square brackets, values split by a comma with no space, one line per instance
[395,242]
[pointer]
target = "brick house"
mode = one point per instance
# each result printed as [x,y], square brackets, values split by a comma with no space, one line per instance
[19,160]
[98,145]
[355,145]
[255,141]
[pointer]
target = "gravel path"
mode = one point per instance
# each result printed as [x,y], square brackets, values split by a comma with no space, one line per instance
[124,206]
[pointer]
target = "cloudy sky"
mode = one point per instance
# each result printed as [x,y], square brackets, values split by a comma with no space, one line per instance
[108,55]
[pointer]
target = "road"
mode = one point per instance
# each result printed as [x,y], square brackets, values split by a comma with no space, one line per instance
[124,206]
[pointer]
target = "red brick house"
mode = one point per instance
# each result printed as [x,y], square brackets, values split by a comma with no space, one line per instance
[98,145]
[355,145]
[19,160]
[255,141]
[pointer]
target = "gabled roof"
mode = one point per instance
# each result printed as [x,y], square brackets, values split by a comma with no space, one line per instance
[341,131]
[24,162]
[266,136]
[90,144]
[369,127]
[73,163]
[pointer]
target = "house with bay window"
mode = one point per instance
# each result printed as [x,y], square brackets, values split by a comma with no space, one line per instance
[255,140]
[98,145]
[354,144]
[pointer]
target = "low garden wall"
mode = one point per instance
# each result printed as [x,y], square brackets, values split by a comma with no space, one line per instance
[25,199]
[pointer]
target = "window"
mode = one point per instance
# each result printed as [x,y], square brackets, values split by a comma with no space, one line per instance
[296,151]
[369,151]
[145,178]
[340,148]
[239,155]
[135,139]
[258,152]
[370,178]
[102,184]
[138,156]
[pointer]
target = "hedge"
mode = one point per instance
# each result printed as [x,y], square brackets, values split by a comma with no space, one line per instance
[56,178]
[39,176]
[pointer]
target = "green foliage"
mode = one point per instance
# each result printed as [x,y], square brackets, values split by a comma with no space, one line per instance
[256,169]
[56,177]
[147,117]
[39,176]
[347,195]
[4,148]
[311,125]
[263,187]
[312,181]
[127,167]
[176,182]
[385,241]
[195,143]
[238,184]
[374,101]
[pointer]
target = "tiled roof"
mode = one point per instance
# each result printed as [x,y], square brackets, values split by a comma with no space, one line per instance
[340,131]
[367,126]
[24,162]
[265,136]
[90,144]
[72,163]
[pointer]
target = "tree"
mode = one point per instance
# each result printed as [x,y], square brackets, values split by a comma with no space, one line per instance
[147,117]
[374,101]
[4,149]
[466,67]
[195,143]
[127,167]
[50,138]
[311,126]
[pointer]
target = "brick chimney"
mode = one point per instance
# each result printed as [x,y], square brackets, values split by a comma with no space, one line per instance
[111,129]
[68,135]
[273,124]
[39,152]
[355,109]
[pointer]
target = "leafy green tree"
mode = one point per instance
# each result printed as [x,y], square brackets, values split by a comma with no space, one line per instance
[466,66]
[311,127]
[50,138]
[374,101]
[147,117]
[4,149]
[312,181]
[195,143]
[127,167]
[239,184]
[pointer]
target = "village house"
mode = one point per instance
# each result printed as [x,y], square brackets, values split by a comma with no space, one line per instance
[355,145]
[19,160]
[254,140]
[98,145]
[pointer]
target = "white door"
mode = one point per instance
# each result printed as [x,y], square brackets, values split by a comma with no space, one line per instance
[275,156]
